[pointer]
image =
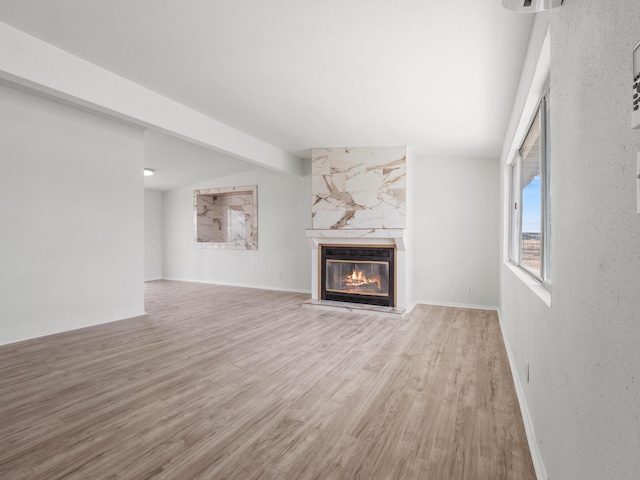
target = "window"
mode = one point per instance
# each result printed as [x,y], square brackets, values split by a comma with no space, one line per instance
[530,225]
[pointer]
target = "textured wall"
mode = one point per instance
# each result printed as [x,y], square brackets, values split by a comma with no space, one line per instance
[584,391]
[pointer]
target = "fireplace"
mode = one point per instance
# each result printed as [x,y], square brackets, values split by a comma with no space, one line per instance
[358,235]
[358,274]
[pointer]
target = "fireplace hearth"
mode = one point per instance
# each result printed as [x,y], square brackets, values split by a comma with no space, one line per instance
[358,274]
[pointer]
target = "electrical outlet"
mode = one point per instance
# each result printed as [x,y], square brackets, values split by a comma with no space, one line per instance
[470,290]
[526,369]
[279,276]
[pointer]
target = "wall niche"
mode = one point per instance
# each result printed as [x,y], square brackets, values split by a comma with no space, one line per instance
[226,218]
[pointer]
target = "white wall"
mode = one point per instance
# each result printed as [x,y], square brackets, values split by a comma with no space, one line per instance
[453,213]
[455,230]
[71,204]
[284,206]
[583,396]
[33,63]
[409,240]
[152,235]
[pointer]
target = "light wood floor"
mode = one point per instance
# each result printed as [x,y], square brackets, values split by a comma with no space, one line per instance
[229,383]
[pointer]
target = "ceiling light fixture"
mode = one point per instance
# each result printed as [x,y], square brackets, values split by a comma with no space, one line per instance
[530,6]
[148,172]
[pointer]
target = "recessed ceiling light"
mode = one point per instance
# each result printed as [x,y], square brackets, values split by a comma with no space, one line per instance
[148,172]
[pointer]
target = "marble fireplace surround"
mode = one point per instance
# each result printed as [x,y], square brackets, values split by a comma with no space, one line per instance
[358,188]
[359,198]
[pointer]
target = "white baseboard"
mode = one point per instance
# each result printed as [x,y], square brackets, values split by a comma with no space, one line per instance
[132,316]
[456,305]
[536,457]
[410,308]
[259,287]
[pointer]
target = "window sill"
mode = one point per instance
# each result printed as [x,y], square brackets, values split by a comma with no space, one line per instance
[534,285]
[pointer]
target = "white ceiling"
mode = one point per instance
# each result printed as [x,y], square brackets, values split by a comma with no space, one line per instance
[437,76]
[176,162]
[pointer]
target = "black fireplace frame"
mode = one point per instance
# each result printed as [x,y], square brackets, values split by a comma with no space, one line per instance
[358,253]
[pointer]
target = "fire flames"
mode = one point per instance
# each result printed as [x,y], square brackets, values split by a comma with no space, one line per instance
[358,279]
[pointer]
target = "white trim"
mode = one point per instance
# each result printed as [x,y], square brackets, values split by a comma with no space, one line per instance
[534,285]
[538,88]
[456,305]
[535,93]
[242,285]
[139,316]
[410,308]
[536,456]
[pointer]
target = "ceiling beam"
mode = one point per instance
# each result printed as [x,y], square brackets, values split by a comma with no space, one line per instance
[35,65]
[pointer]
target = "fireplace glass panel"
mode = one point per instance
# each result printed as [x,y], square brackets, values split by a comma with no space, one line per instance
[361,277]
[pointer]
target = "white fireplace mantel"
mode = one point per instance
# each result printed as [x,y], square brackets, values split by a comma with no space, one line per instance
[375,236]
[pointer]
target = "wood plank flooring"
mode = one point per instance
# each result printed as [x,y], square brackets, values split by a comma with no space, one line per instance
[230,383]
